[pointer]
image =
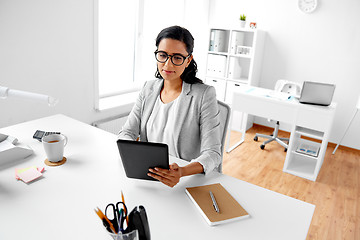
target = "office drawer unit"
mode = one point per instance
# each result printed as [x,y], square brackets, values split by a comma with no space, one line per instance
[231,86]
[220,86]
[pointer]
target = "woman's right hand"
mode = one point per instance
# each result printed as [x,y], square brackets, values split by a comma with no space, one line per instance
[169,177]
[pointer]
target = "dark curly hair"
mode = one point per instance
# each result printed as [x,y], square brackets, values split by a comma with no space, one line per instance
[183,35]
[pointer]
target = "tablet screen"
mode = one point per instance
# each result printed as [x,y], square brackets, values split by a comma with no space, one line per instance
[138,157]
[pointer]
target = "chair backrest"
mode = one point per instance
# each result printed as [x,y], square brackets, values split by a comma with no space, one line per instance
[292,88]
[224,116]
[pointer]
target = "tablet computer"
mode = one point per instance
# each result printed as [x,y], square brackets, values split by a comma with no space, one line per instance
[138,157]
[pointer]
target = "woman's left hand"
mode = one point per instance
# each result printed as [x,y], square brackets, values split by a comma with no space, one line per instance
[168,177]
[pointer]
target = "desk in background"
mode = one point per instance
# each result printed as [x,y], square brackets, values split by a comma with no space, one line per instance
[306,120]
[61,204]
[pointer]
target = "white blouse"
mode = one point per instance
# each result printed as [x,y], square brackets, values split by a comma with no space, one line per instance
[161,124]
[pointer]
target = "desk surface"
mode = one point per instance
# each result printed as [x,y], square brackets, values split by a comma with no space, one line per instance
[61,204]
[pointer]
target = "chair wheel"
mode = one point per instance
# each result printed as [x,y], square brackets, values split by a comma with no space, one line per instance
[262,146]
[255,138]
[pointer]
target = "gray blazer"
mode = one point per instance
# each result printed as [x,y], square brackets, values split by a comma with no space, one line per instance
[197,136]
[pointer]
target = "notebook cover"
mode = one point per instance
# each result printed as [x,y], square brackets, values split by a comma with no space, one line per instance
[230,209]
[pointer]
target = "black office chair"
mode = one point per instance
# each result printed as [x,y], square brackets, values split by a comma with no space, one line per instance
[293,89]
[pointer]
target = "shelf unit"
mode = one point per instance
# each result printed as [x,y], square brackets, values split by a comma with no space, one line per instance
[301,164]
[234,58]
[314,122]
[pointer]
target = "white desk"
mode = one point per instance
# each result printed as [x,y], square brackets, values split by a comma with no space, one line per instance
[61,204]
[306,120]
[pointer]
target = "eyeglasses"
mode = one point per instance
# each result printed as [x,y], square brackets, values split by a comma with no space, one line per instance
[177,59]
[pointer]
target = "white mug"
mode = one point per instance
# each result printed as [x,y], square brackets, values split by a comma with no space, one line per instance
[54,146]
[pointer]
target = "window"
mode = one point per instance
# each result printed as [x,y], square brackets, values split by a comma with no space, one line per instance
[115,40]
[125,33]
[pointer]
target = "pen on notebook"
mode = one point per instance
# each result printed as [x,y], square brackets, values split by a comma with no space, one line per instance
[214,202]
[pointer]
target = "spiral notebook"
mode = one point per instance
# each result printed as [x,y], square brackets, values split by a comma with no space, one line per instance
[230,209]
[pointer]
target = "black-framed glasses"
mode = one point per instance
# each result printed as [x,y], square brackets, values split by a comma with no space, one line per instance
[177,59]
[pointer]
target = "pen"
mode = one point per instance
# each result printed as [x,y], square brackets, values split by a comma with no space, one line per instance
[121,220]
[214,202]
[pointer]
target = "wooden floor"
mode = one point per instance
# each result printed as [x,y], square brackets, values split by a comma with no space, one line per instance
[336,192]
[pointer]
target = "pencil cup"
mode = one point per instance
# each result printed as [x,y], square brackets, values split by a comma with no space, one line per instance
[133,235]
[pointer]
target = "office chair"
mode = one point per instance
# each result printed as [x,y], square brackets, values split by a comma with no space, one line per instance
[224,115]
[292,88]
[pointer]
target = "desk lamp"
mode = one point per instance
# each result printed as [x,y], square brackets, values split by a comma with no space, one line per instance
[357,109]
[9,149]
[6,92]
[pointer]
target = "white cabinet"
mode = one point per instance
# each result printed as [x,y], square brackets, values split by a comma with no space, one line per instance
[220,87]
[234,57]
[310,132]
[231,86]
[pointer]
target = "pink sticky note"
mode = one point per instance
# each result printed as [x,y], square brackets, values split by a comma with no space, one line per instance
[29,175]
[20,170]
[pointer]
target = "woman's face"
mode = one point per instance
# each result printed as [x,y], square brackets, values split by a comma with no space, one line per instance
[168,70]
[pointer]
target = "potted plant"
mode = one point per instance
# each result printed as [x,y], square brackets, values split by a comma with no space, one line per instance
[242,20]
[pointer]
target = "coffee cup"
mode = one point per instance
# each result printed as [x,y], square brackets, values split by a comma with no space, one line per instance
[54,146]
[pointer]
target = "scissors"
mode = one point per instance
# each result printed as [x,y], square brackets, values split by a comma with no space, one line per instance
[118,215]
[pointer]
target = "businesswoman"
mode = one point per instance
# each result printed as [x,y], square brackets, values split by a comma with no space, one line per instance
[177,109]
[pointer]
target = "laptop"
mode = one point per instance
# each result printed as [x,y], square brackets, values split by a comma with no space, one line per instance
[138,157]
[317,93]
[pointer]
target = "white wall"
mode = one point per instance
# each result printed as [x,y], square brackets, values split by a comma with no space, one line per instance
[322,46]
[46,46]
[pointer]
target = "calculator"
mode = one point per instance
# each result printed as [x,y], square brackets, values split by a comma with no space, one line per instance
[38,135]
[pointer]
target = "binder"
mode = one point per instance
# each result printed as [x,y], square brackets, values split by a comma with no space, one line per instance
[219,41]
[237,39]
[234,68]
[230,209]
[212,39]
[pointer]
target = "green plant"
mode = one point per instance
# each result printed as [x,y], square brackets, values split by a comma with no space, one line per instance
[242,17]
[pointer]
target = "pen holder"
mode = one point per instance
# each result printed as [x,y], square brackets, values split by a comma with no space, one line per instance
[133,235]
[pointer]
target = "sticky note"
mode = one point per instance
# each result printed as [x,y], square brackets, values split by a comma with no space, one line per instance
[21,170]
[29,175]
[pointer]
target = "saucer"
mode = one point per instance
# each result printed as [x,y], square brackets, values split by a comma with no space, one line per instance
[53,164]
